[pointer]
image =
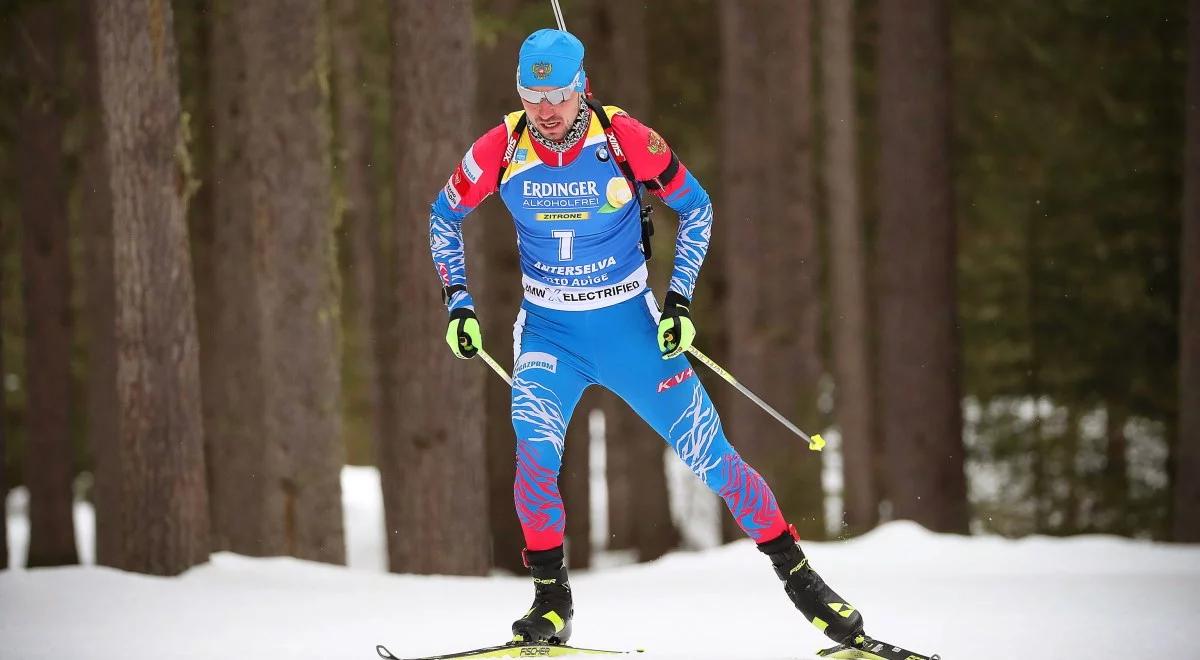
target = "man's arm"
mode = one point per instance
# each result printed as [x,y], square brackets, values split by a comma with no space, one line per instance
[471,183]
[652,160]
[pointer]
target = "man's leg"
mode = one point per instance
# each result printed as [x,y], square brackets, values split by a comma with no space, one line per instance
[669,396]
[546,387]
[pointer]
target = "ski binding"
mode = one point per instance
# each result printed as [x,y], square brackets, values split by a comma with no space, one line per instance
[872,649]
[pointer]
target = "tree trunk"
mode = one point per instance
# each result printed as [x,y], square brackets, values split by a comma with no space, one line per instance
[46,269]
[1187,454]
[921,419]
[767,227]
[288,212]
[497,291]
[434,455]
[849,331]
[194,21]
[236,442]
[100,309]
[271,382]
[360,223]
[163,516]
[3,407]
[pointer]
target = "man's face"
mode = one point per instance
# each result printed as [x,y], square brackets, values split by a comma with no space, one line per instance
[552,119]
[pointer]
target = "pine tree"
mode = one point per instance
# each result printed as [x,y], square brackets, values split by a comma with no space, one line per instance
[161,526]
[850,325]
[277,443]
[354,135]
[46,268]
[235,435]
[1186,512]
[100,308]
[764,222]
[921,420]
[433,460]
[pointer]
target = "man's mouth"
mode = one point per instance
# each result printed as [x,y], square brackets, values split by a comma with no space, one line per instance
[550,124]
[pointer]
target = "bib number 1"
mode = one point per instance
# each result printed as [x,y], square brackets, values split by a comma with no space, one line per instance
[566,243]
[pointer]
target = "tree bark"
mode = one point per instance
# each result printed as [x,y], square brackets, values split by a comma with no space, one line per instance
[163,516]
[854,400]
[434,458]
[921,419]
[360,218]
[766,225]
[46,268]
[1186,510]
[100,309]
[3,407]
[236,442]
[284,215]
[194,21]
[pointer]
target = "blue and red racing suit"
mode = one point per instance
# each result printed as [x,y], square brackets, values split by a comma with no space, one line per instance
[588,317]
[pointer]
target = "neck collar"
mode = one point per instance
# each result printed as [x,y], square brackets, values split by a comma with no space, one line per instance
[574,134]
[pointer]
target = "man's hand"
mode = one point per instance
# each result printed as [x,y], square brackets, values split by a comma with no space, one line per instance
[675,329]
[463,333]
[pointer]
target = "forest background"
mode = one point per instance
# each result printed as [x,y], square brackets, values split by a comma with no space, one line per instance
[960,240]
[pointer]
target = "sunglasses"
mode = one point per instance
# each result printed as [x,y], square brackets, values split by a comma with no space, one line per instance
[554,96]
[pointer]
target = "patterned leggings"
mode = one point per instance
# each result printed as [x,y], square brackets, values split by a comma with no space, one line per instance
[562,352]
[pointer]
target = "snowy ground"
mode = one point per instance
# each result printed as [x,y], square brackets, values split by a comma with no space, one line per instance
[966,598]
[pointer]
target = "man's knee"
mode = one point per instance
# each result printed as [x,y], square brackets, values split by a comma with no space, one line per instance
[537,456]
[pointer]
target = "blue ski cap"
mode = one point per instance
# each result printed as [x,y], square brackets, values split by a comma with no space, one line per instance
[550,58]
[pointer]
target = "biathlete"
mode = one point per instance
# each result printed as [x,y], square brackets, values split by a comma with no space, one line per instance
[563,167]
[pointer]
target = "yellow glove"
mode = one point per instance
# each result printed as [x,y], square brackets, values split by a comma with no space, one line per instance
[675,329]
[462,333]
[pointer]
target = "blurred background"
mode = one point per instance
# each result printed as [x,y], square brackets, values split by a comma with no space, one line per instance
[960,240]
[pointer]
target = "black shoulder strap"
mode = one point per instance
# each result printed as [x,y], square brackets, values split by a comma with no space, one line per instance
[513,138]
[613,145]
[618,154]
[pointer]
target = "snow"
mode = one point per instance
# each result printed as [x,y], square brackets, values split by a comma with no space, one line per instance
[968,598]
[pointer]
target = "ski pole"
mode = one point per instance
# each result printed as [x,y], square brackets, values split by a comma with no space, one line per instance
[815,441]
[495,366]
[558,15]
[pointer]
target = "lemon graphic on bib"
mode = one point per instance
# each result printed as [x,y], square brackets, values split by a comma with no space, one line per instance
[617,193]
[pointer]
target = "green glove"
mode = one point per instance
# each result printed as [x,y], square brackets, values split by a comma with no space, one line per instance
[675,329]
[463,334]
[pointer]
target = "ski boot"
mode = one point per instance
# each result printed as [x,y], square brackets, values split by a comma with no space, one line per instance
[549,619]
[823,608]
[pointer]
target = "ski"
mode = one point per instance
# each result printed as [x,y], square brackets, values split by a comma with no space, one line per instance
[872,649]
[511,650]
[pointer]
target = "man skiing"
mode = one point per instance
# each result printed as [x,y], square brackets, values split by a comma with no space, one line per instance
[588,317]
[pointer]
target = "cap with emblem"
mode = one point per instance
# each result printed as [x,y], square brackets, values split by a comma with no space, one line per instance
[551,58]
